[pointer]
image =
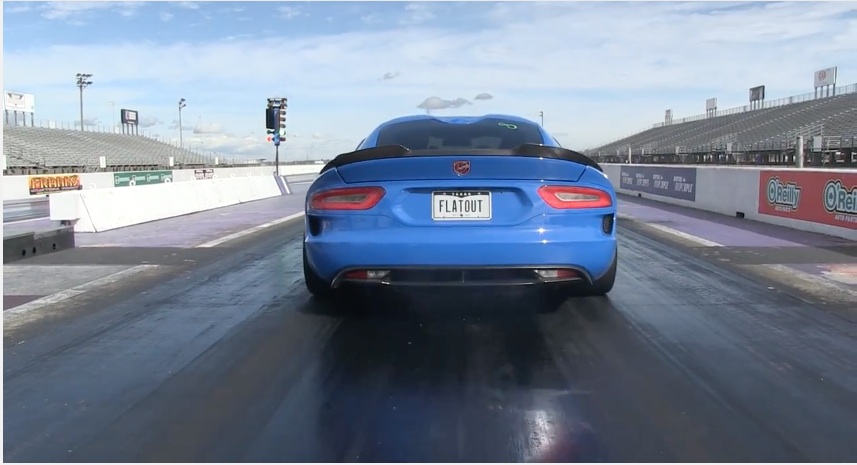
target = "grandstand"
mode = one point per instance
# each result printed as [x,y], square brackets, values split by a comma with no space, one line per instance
[742,135]
[31,150]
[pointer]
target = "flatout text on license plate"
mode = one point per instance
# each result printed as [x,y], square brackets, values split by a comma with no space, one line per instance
[461,205]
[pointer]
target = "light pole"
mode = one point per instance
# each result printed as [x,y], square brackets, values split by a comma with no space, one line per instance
[82,82]
[542,118]
[182,104]
[112,115]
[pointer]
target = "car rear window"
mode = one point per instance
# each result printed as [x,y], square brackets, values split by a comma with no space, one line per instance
[488,133]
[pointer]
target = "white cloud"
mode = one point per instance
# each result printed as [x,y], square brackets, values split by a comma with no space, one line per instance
[208,128]
[289,12]
[187,5]
[437,103]
[418,13]
[87,121]
[166,16]
[149,122]
[76,12]
[370,19]
[18,8]
[598,70]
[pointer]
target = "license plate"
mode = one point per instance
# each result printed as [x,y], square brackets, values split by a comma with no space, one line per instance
[461,205]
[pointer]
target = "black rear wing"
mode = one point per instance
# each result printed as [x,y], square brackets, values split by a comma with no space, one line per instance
[399,151]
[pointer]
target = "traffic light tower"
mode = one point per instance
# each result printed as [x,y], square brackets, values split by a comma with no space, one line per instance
[275,123]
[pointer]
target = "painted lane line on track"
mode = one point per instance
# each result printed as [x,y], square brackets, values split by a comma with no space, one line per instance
[18,314]
[22,310]
[776,267]
[245,232]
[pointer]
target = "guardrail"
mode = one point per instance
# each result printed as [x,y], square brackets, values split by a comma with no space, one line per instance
[22,210]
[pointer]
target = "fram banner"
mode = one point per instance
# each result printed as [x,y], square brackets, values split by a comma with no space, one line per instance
[50,183]
[678,183]
[819,196]
[141,178]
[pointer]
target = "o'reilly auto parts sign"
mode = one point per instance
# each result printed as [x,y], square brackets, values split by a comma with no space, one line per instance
[821,197]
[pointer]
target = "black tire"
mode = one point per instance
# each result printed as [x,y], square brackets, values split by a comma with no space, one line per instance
[603,285]
[315,284]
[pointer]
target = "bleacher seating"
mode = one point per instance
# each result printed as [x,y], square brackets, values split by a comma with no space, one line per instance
[771,128]
[35,147]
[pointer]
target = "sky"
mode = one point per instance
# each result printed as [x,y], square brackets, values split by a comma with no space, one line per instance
[598,70]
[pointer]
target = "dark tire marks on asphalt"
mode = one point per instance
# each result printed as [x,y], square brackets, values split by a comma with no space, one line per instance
[233,361]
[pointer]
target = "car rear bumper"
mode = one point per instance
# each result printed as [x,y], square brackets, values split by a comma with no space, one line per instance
[430,257]
[431,276]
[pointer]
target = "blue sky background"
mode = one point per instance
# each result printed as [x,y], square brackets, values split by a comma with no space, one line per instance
[599,71]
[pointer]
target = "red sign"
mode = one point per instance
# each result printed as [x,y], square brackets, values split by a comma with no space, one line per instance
[826,197]
[461,167]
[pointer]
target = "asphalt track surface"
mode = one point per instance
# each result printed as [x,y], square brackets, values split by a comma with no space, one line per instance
[229,359]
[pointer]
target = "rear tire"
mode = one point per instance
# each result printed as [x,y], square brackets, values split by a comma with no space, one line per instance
[315,284]
[603,285]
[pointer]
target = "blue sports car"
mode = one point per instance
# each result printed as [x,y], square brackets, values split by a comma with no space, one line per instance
[461,201]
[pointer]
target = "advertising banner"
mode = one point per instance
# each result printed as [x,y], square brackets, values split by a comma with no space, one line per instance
[711,103]
[820,197]
[824,77]
[129,116]
[141,178]
[757,93]
[205,173]
[678,183]
[51,183]
[16,101]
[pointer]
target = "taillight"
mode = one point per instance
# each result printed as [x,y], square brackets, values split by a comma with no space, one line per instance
[349,198]
[572,197]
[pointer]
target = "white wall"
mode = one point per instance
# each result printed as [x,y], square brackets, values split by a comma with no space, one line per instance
[730,190]
[17,186]
[94,210]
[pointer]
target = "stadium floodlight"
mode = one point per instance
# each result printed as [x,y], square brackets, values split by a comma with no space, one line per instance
[82,82]
[182,104]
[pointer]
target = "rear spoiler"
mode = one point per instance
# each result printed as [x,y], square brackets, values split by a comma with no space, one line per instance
[399,151]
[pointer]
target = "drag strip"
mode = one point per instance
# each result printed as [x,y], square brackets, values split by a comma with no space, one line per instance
[229,359]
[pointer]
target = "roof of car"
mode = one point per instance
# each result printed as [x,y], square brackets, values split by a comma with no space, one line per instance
[455,119]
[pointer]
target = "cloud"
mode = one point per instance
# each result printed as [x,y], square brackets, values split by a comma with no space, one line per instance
[185,126]
[289,12]
[166,16]
[187,5]
[87,121]
[208,128]
[605,70]
[389,75]
[437,103]
[76,12]
[417,13]
[149,122]
[17,8]
[483,96]
[370,19]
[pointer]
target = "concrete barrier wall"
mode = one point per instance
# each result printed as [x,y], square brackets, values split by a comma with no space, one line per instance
[25,187]
[95,210]
[816,200]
